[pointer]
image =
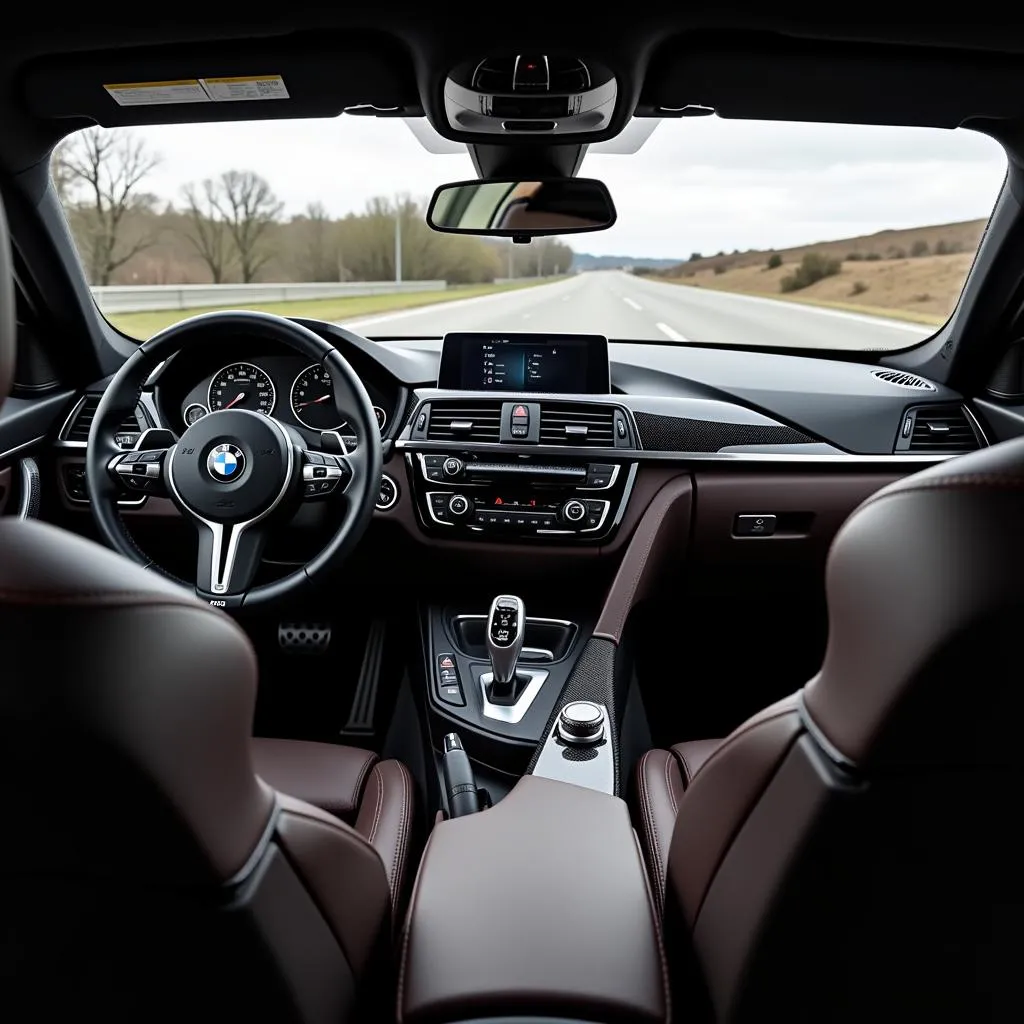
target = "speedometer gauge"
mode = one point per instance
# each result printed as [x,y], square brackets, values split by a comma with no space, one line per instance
[313,399]
[242,386]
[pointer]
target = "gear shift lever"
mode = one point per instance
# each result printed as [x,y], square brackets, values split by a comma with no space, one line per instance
[506,625]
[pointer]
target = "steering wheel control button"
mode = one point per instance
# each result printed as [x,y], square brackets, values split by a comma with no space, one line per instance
[388,494]
[574,511]
[449,686]
[761,525]
[322,474]
[581,723]
[452,467]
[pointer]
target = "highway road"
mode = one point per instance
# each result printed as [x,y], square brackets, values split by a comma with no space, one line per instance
[623,306]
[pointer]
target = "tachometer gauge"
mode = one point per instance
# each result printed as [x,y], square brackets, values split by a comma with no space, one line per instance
[242,386]
[313,399]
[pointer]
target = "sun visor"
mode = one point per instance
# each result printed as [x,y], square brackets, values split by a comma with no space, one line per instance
[794,80]
[286,78]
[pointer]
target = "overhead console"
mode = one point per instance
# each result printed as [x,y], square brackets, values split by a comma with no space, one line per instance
[530,94]
[503,455]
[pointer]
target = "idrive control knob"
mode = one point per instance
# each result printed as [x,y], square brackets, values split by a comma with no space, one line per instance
[580,723]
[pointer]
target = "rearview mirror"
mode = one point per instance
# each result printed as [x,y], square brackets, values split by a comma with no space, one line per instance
[508,207]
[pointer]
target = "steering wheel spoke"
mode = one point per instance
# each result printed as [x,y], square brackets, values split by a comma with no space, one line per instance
[324,474]
[229,555]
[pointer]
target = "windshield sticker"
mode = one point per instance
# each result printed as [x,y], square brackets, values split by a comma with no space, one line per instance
[255,87]
[138,94]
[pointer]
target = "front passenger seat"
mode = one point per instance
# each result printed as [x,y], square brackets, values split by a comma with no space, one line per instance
[854,851]
[147,873]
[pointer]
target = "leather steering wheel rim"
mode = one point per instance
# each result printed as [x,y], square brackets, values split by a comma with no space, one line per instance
[122,395]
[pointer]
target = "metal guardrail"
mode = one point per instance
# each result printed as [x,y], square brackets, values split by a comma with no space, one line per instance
[143,298]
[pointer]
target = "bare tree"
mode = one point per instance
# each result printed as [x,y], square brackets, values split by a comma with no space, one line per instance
[207,230]
[319,256]
[248,206]
[106,167]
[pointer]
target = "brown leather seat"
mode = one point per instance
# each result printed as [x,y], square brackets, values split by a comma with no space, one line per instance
[375,797]
[854,849]
[147,871]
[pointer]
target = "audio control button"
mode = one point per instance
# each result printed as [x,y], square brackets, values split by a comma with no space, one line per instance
[458,505]
[573,511]
[452,467]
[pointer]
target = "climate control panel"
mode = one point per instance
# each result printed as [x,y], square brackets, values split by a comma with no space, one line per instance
[510,497]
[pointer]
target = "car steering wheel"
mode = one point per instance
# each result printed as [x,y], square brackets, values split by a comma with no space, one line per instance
[234,473]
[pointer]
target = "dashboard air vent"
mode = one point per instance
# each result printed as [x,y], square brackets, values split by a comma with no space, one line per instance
[903,380]
[77,428]
[577,425]
[939,429]
[464,421]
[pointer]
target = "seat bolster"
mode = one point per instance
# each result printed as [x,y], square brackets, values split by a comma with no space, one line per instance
[325,775]
[342,873]
[693,754]
[385,820]
[659,788]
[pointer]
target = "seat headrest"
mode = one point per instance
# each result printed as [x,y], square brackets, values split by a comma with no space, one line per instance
[8,319]
[925,600]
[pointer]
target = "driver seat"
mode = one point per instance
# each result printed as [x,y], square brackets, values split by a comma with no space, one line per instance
[149,871]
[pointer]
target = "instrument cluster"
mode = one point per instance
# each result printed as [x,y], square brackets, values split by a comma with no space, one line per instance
[285,387]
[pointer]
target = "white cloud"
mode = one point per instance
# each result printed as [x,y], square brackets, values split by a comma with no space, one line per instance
[704,184]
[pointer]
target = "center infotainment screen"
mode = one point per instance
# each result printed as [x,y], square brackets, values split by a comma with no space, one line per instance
[554,363]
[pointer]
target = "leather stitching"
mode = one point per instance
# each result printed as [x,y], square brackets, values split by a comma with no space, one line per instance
[407,937]
[380,805]
[669,787]
[650,826]
[370,761]
[401,843]
[658,941]
[688,773]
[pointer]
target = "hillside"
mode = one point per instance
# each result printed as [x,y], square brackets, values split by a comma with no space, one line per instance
[587,261]
[915,273]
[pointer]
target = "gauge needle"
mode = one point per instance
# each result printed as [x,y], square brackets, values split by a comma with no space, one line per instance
[235,400]
[315,401]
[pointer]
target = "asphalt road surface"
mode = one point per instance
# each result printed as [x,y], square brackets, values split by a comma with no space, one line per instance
[623,306]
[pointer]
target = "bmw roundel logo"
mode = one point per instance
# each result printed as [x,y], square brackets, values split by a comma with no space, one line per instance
[225,463]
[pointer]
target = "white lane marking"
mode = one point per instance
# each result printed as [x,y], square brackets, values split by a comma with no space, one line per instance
[513,293]
[669,332]
[921,330]
[629,302]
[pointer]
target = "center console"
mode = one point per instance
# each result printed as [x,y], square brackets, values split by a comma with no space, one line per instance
[537,907]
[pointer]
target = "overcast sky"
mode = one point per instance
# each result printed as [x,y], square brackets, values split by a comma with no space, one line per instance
[697,185]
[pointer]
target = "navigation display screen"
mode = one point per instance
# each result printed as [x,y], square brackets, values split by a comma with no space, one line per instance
[555,363]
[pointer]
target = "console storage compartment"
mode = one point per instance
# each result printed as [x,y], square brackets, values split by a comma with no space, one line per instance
[539,905]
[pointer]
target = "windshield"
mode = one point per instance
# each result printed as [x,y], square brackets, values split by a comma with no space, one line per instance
[730,232]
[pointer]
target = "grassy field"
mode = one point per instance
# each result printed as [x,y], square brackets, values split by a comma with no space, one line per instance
[880,274]
[145,325]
